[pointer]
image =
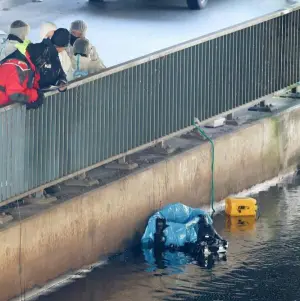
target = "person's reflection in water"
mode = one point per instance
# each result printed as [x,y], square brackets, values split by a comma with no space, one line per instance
[208,262]
[159,259]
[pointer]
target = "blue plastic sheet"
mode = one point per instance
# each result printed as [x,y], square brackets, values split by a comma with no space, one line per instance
[182,224]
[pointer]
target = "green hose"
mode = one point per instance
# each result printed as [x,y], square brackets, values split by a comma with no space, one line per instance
[212,196]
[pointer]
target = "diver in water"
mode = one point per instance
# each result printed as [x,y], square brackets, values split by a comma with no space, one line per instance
[207,235]
[159,242]
[205,229]
[207,238]
[159,236]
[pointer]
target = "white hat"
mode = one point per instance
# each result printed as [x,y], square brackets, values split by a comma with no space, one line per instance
[46,28]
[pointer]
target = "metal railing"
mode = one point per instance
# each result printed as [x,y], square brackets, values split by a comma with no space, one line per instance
[12,149]
[130,106]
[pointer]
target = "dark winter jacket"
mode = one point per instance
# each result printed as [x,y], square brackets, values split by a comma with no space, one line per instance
[51,73]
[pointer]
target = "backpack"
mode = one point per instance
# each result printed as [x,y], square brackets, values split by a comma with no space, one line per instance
[79,73]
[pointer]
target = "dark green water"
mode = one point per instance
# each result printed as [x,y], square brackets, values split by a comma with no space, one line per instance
[263,263]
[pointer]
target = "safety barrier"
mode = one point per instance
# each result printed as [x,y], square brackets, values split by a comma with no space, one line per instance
[134,104]
[12,151]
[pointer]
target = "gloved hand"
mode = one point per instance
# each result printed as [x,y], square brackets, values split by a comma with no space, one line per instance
[224,242]
[37,103]
[62,85]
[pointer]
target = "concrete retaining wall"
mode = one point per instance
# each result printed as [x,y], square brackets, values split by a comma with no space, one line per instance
[103,221]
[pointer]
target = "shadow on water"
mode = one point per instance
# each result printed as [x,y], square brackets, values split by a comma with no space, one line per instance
[263,263]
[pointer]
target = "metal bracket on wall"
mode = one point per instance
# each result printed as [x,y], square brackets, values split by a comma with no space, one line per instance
[41,198]
[230,120]
[53,189]
[291,92]
[5,218]
[122,164]
[82,181]
[262,108]
[194,134]
[294,92]
[163,149]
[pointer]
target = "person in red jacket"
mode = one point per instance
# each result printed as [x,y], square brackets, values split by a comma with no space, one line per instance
[19,79]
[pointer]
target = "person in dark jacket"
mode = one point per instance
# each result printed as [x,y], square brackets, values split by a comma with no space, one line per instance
[52,73]
[19,78]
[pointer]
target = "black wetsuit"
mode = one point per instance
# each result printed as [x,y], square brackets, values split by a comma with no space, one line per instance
[207,229]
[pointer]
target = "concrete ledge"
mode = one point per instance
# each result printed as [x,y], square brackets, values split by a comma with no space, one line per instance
[105,220]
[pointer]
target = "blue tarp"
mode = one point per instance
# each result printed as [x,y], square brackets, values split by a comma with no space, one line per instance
[182,225]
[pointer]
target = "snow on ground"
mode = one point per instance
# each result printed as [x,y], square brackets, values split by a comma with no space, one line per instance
[127,29]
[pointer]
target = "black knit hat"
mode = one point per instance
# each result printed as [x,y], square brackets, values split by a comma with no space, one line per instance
[61,37]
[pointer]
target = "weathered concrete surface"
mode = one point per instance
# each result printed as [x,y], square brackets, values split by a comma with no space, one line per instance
[103,221]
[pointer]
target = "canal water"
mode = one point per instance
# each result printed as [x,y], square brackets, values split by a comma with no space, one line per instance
[263,263]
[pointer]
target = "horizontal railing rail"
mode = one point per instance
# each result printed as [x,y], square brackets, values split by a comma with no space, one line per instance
[130,106]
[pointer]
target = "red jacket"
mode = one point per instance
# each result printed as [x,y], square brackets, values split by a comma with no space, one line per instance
[18,79]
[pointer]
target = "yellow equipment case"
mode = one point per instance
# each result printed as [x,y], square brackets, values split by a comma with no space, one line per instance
[240,206]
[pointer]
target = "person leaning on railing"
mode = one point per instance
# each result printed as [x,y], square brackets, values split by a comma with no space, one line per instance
[52,73]
[19,77]
[47,31]
[81,60]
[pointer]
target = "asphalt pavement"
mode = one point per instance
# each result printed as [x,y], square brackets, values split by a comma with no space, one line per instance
[126,29]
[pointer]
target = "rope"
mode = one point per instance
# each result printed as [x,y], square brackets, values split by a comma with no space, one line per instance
[22,289]
[212,191]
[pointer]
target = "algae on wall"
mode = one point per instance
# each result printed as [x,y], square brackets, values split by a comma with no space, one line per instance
[276,146]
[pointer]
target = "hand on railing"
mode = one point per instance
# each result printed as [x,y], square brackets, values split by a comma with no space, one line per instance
[62,86]
[37,103]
